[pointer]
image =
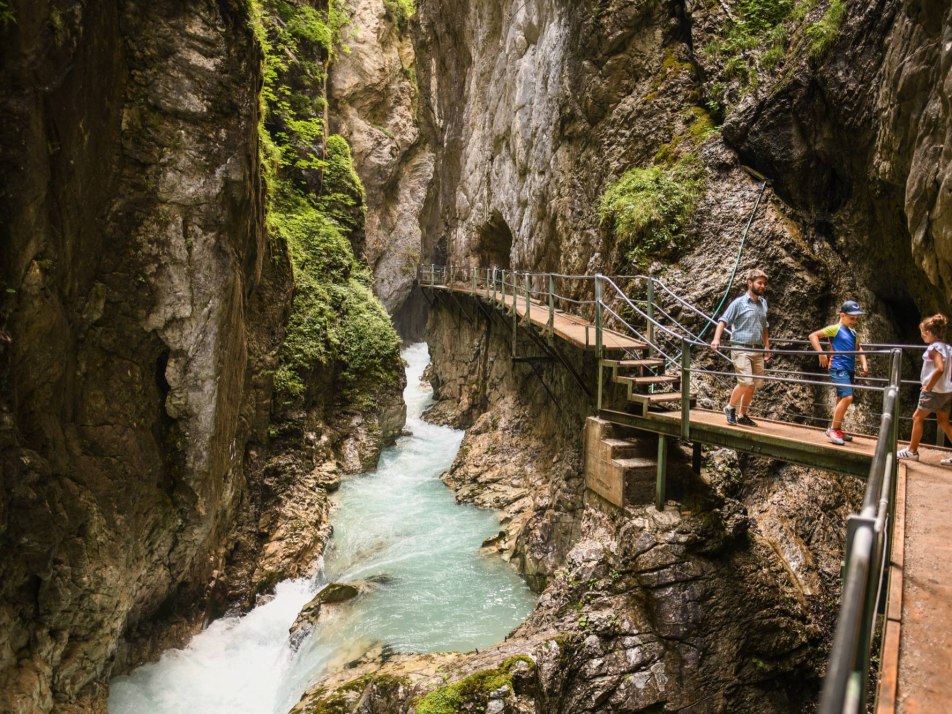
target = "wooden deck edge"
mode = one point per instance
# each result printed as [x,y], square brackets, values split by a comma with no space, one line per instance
[887,692]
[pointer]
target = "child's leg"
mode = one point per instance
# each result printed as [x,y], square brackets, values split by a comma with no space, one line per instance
[918,419]
[839,411]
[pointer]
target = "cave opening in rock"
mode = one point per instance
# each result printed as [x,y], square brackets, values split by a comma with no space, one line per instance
[494,242]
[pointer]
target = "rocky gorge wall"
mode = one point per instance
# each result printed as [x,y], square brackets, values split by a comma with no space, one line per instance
[149,480]
[140,302]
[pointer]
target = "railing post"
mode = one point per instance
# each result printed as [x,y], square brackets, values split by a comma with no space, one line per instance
[551,326]
[474,280]
[660,482]
[598,337]
[598,315]
[503,281]
[432,275]
[685,390]
[515,313]
[650,327]
[528,297]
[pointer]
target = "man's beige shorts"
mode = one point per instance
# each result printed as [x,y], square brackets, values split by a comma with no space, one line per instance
[747,364]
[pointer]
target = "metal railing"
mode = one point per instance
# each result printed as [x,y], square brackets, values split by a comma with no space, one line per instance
[868,543]
[645,309]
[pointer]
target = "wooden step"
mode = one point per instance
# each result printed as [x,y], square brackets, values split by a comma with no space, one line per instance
[650,379]
[631,363]
[630,347]
[658,398]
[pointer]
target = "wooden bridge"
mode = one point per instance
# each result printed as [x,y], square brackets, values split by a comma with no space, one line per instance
[907,509]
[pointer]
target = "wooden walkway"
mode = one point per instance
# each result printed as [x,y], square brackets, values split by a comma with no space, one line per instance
[916,668]
[573,329]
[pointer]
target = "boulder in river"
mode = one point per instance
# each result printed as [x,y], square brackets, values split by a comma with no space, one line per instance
[330,594]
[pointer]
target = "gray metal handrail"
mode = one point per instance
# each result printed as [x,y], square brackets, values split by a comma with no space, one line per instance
[869,537]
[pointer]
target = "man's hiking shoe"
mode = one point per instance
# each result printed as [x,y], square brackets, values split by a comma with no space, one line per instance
[906,454]
[746,421]
[836,436]
[946,462]
[731,415]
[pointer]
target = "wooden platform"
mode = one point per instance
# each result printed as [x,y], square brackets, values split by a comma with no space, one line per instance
[794,443]
[916,669]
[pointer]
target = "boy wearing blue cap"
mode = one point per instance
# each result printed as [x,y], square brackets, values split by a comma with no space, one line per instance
[842,365]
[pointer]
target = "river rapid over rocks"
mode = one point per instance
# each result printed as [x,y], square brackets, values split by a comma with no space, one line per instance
[413,554]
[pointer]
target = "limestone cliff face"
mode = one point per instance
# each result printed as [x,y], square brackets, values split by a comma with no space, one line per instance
[374,95]
[140,303]
[538,105]
[857,143]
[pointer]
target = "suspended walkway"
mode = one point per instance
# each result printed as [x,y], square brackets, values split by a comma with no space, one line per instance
[653,359]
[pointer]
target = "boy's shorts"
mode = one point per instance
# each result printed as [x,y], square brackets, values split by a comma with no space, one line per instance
[747,364]
[844,382]
[935,401]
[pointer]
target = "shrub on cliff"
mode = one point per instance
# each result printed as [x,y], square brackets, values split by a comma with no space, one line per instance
[647,208]
[337,328]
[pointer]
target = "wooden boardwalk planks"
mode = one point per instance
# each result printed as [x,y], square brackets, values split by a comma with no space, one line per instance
[917,656]
[571,328]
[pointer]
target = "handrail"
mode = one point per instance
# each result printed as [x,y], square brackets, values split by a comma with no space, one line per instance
[869,535]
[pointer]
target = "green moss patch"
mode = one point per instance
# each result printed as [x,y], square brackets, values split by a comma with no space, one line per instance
[400,12]
[337,328]
[472,693]
[759,37]
[647,208]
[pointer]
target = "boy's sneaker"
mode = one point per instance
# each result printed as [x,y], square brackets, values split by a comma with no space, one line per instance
[731,415]
[836,436]
[746,421]
[846,437]
[906,454]
[946,462]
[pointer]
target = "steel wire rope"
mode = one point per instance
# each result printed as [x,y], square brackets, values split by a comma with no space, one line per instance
[740,252]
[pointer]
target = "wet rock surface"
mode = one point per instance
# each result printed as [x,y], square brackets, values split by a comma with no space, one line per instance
[142,304]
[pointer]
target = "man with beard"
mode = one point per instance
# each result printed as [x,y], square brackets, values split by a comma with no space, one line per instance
[750,345]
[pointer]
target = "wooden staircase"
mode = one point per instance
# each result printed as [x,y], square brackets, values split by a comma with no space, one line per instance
[647,385]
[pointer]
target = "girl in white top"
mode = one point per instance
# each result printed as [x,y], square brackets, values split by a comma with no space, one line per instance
[936,394]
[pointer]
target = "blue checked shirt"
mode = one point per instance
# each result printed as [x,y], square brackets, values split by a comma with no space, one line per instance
[747,319]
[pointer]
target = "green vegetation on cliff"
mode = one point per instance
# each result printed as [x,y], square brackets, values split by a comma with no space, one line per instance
[473,692]
[400,12]
[647,208]
[758,36]
[316,209]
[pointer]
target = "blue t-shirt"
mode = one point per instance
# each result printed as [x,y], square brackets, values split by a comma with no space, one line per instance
[843,339]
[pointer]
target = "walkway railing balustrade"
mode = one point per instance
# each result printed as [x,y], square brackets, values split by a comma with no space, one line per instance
[645,308]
